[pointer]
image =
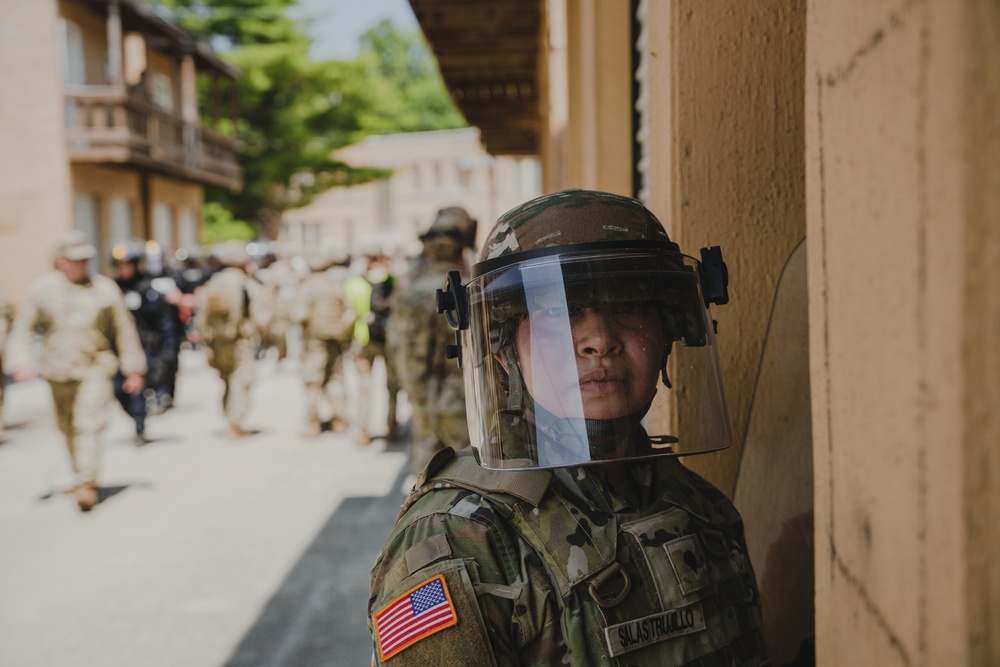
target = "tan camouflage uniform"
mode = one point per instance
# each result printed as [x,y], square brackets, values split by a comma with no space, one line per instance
[281,282]
[417,337]
[82,326]
[228,315]
[327,322]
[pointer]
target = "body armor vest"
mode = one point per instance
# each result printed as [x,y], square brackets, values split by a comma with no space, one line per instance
[667,584]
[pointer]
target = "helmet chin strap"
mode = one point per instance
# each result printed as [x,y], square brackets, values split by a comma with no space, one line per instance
[602,434]
[515,396]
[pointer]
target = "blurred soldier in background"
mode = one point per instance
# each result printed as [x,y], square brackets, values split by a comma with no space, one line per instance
[280,281]
[418,337]
[157,323]
[359,295]
[327,321]
[229,308]
[382,283]
[84,324]
[6,320]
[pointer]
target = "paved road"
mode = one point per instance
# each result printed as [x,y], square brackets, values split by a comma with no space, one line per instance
[204,551]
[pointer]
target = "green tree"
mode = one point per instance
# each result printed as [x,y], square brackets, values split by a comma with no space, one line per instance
[294,112]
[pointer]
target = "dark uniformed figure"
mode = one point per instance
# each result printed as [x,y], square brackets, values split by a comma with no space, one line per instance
[156,321]
[574,535]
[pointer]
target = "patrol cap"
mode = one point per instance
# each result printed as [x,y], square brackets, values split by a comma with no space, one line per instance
[74,246]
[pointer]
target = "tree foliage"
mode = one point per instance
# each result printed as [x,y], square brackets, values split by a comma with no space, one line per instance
[294,112]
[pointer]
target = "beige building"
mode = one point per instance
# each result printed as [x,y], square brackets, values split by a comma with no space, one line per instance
[846,156]
[100,130]
[428,171]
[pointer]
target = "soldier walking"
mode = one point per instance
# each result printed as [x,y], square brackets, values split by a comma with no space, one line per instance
[155,320]
[84,324]
[327,320]
[228,312]
[281,282]
[418,338]
[382,283]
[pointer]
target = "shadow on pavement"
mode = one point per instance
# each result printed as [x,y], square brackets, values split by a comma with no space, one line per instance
[103,492]
[318,614]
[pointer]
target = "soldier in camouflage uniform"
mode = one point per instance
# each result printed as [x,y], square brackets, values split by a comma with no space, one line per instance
[575,536]
[327,322]
[280,281]
[84,325]
[229,311]
[419,338]
[6,320]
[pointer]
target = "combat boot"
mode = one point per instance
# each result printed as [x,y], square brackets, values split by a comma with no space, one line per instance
[86,496]
[314,427]
[237,431]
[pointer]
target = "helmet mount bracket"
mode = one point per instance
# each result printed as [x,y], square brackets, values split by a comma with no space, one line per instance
[714,276]
[453,302]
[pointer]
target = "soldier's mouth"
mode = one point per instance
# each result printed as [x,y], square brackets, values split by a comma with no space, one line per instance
[601,382]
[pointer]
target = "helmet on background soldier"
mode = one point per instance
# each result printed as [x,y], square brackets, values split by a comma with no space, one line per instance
[133,250]
[232,253]
[452,231]
[579,310]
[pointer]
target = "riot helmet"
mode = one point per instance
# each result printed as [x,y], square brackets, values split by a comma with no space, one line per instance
[585,337]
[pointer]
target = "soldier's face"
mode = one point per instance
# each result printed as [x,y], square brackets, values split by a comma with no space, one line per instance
[616,355]
[126,270]
[75,270]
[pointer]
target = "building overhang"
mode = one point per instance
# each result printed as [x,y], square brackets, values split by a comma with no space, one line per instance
[488,53]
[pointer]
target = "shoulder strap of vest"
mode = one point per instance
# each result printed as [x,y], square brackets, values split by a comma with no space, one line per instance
[463,470]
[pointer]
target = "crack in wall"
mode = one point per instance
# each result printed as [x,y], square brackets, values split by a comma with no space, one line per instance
[872,609]
[896,21]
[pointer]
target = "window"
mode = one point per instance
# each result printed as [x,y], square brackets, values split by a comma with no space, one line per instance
[119,220]
[163,225]
[162,91]
[85,219]
[188,223]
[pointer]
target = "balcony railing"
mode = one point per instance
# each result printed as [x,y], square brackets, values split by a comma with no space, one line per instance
[105,125]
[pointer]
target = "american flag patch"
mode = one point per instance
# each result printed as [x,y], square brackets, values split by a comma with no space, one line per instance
[416,614]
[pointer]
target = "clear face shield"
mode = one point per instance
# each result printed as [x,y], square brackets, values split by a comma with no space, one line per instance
[582,357]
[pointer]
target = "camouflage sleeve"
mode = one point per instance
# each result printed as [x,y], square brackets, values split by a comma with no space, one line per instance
[299,311]
[18,352]
[131,357]
[199,311]
[506,610]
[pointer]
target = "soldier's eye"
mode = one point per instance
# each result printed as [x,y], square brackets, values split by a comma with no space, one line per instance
[632,307]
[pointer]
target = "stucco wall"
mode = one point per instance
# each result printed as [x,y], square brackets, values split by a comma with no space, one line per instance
[903,242]
[726,167]
[981,349]
[34,177]
[599,113]
[737,167]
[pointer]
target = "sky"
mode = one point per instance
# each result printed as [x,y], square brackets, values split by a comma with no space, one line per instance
[337,24]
